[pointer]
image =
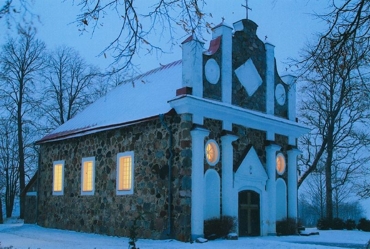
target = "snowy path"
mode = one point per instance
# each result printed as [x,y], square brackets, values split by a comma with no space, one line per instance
[24,236]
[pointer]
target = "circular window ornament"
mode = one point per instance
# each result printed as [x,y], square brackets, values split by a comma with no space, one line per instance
[280,164]
[212,71]
[212,152]
[280,94]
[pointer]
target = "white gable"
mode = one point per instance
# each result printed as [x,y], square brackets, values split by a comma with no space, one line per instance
[251,172]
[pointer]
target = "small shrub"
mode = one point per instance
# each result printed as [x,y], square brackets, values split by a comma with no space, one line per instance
[350,224]
[337,224]
[134,232]
[219,227]
[287,226]
[364,225]
[323,224]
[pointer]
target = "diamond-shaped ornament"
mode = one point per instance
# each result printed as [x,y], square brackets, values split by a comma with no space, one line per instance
[249,77]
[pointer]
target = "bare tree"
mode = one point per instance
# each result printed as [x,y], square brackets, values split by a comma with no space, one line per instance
[70,85]
[14,12]
[336,96]
[335,104]
[137,24]
[363,187]
[349,23]
[20,62]
[9,171]
[315,192]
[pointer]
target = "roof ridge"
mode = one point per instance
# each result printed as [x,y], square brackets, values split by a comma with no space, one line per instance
[155,70]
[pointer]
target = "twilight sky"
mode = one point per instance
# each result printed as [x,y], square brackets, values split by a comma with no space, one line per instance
[288,24]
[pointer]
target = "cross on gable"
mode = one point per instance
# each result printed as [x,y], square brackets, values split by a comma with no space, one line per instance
[246,6]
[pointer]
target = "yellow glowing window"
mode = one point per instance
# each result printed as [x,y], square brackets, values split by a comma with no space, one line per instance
[124,173]
[87,176]
[280,164]
[58,177]
[212,152]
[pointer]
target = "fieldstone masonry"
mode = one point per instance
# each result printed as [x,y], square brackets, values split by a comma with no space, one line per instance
[105,212]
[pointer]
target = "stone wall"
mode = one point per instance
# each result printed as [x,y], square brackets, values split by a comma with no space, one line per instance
[30,195]
[215,132]
[30,213]
[281,110]
[212,91]
[247,137]
[105,212]
[247,45]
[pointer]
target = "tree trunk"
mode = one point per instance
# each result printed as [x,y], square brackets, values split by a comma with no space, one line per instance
[321,197]
[11,176]
[328,178]
[9,206]
[1,212]
[8,200]
[21,151]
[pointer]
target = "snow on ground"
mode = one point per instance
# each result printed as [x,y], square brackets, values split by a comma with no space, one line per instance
[17,235]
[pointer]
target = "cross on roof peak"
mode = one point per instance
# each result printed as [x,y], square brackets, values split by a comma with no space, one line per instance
[246,6]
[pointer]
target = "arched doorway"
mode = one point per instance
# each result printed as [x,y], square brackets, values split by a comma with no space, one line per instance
[249,213]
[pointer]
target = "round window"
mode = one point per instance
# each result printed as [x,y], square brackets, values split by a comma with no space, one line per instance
[212,152]
[280,164]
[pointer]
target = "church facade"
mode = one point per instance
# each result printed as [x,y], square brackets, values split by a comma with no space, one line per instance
[212,135]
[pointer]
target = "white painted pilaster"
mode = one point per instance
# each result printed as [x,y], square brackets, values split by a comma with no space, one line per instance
[192,65]
[226,60]
[292,183]
[290,80]
[270,135]
[197,182]
[228,203]
[270,78]
[198,119]
[271,186]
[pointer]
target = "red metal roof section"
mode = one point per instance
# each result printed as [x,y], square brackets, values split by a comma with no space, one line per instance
[219,25]
[214,46]
[53,136]
[190,38]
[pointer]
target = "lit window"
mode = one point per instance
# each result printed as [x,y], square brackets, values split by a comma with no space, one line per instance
[280,164]
[58,177]
[212,152]
[88,176]
[125,173]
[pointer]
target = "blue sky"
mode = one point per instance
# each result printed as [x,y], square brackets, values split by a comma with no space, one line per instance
[288,24]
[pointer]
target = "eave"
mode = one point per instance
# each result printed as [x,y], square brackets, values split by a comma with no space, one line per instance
[207,108]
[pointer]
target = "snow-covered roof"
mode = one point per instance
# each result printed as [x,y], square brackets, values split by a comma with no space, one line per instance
[143,97]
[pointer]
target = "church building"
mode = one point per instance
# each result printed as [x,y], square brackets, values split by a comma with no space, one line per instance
[213,134]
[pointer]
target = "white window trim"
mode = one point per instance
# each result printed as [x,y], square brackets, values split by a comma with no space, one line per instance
[88,159]
[131,191]
[218,152]
[62,191]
